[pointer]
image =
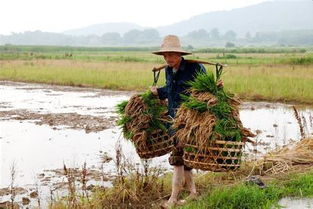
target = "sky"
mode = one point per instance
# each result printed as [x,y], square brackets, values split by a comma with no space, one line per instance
[60,15]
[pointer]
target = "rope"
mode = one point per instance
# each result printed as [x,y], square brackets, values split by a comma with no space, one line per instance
[218,70]
[156,75]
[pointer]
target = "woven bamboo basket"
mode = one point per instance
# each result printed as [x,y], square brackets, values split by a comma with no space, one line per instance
[218,156]
[161,144]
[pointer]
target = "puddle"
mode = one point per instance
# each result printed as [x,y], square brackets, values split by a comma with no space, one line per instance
[38,144]
[38,154]
[291,203]
[58,99]
[34,148]
[275,124]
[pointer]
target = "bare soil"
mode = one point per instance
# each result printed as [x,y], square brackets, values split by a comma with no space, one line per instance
[88,123]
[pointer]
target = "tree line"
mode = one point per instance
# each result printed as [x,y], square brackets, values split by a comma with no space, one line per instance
[151,37]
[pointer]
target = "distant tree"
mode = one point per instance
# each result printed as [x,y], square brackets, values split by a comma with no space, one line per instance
[149,36]
[145,37]
[197,37]
[111,39]
[230,35]
[131,36]
[198,34]
[229,45]
[248,36]
[190,47]
[93,40]
[215,34]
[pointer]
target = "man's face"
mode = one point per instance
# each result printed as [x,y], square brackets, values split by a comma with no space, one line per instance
[172,59]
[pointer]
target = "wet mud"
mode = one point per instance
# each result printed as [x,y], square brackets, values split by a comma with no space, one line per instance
[88,123]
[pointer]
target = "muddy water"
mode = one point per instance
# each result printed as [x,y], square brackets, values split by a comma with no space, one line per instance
[275,124]
[43,127]
[291,203]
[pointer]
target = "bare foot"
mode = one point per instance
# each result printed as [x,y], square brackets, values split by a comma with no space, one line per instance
[191,197]
[168,204]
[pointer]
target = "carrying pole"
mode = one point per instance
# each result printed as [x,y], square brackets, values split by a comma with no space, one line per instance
[190,61]
[156,70]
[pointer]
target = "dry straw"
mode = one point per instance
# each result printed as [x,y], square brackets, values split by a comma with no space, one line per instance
[283,159]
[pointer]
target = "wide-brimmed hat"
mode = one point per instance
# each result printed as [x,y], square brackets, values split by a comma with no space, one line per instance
[171,43]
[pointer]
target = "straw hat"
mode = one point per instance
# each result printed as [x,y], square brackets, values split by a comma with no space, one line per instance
[171,43]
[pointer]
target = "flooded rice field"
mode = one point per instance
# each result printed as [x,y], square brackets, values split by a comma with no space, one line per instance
[43,127]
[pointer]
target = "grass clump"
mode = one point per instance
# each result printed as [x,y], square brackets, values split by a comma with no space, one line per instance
[147,187]
[247,196]
[301,60]
[298,185]
[240,196]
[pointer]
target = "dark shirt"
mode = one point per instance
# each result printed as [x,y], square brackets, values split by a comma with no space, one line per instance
[176,83]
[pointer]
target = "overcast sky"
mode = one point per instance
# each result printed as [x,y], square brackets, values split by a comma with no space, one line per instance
[60,15]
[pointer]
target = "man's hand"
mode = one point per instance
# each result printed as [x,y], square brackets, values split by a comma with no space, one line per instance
[154,90]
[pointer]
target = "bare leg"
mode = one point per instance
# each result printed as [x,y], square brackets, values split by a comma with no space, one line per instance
[177,183]
[190,184]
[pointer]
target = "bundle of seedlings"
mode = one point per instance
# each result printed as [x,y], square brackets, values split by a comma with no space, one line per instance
[208,125]
[144,121]
[283,159]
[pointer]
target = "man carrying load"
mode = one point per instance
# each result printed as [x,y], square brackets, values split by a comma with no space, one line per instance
[178,72]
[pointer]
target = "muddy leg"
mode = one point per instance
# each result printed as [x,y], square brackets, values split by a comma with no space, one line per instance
[177,184]
[190,184]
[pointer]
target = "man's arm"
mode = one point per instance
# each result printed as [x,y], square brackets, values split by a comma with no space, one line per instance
[161,92]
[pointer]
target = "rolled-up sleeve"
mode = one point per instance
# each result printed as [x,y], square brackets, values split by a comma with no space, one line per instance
[202,69]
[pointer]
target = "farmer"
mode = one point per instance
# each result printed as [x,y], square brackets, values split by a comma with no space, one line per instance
[177,73]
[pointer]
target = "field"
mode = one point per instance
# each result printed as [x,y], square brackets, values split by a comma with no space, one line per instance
[258,74]
[271,74]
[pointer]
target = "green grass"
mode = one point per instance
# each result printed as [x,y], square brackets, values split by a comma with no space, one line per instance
[149,58]
[285,83]
[256,50]
[242,196]
[251,56]
[273,83]
[285,76]
[238,197]
[108,75]
[63,49]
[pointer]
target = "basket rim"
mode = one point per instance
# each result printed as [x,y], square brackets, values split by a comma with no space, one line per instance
[210,156]
[214,148]
[211,164]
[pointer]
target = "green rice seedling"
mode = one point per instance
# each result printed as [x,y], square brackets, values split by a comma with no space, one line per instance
[225,126]
[144,122]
